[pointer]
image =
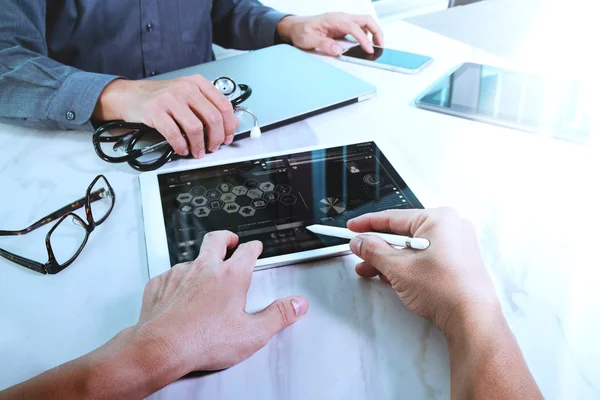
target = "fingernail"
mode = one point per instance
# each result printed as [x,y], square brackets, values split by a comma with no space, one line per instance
[201,153]
[355,245]
[300,306]
[214,149]
[336,49]
[185,152]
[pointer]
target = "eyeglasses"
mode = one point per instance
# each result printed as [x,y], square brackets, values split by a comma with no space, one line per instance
[68,236]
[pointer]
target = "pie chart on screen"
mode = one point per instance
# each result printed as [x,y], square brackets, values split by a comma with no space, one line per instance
[332,206]
[372,180]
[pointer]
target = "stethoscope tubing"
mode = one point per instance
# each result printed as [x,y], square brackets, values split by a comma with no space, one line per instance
[97,139]
[164,158]
[132,155]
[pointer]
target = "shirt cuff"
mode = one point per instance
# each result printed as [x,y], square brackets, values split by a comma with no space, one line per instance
[76,99]
[267,35]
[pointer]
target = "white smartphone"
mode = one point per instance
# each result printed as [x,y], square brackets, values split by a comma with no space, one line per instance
[392,60]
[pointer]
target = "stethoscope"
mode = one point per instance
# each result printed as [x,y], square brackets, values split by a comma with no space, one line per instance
[125,144]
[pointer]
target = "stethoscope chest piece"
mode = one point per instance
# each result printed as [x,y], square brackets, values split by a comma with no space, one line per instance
[237,94]
[226,86]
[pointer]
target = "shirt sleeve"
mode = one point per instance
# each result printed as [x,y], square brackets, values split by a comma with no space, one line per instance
[244,24]
[35,90]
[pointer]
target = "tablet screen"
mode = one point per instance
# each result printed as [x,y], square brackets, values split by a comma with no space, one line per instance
[519,100]
[274,199]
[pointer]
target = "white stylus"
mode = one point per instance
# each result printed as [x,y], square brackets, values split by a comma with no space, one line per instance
[394,240]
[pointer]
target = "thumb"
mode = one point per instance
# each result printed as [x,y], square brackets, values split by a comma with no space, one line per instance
[282,313]
[329,46]
[374,251]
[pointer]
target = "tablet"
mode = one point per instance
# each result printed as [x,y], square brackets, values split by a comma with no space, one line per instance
[271,198]
[560,109]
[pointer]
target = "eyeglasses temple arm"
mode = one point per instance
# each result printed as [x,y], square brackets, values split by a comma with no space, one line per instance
[94,196]
[25,262]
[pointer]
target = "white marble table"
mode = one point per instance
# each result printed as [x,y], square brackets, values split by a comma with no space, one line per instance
[534,200]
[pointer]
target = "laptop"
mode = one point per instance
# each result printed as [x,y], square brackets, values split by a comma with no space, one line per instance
[288,85]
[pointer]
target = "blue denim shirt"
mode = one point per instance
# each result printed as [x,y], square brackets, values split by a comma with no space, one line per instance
[56,56]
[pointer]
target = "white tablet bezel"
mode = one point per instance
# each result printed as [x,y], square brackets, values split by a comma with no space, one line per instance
[154,228]
[539,129]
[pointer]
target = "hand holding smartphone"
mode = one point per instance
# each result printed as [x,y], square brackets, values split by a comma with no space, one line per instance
[391,60]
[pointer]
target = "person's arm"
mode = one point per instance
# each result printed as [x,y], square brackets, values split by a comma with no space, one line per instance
[244,24]
[249,25]
[485,359]
[193,318]
[449,285]
[39,92]
[35,90]
[127,367]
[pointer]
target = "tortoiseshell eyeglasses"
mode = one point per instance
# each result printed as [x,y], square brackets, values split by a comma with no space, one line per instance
[68,236]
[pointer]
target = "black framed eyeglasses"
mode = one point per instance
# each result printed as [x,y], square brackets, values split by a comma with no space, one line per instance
[69,235]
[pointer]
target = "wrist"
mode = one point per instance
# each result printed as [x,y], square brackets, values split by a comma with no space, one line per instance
[111,101]
[474,322]
[155,356]
[284,28]
[130,365]
[135,364]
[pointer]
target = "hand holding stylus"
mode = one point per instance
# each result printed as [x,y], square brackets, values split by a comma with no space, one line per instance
[394,240]
[438,283]
[449,285]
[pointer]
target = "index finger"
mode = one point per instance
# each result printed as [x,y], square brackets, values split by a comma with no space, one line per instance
[245,256]
[366,21]
[352,28]
[215,244]
[402,222]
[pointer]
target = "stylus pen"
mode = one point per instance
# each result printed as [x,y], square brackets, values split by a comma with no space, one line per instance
[394,240]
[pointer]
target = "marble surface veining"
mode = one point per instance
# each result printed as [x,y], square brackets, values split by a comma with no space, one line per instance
[533,200]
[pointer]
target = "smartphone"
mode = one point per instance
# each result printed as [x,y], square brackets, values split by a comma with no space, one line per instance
[392,60]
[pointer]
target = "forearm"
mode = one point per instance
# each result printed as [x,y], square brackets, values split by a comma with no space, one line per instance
[36,90]
[485,359]
[40,92]
[127,367]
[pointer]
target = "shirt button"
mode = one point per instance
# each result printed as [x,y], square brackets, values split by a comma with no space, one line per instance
[153,73]
[70,115]
[149,27]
